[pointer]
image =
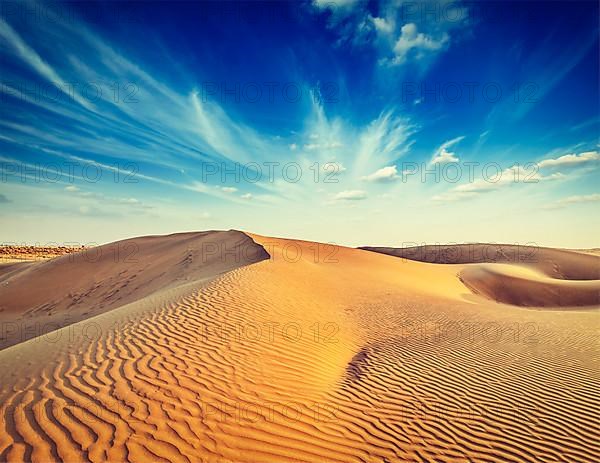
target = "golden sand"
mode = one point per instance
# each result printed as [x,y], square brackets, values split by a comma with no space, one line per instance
[318,354]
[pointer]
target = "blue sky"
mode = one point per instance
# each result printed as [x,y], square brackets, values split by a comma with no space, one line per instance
[359,123]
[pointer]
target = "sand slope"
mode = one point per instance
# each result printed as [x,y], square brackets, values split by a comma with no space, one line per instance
[520,275]
[316,354]
[36,298]
[556,263]
[512,284]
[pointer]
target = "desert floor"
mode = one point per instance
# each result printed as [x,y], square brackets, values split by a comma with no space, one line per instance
[18,253]
[197,350]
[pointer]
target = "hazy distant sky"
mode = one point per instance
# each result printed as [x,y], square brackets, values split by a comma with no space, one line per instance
[354,100]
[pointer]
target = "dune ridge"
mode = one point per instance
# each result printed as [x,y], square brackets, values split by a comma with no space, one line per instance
[511,285]
[39,297]
[309,356]
[527,276]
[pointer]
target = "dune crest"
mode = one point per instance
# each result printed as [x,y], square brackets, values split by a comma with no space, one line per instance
[525,276]
[509,284]
[39,297]
[556,263]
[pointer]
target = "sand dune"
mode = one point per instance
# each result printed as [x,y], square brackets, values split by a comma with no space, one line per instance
[519,275]
[592,251]
[39,297]
[512,285]
[317,354]
[555,263]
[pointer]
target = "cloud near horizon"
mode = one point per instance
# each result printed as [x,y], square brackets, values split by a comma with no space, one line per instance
[577,199]
[350,195]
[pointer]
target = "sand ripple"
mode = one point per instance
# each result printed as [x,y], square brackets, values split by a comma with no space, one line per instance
[365,358]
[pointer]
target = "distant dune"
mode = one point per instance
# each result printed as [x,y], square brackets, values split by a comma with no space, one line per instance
[312,353]
[17,253]
[520,275]
[39,297]
[555,263]
[592,251]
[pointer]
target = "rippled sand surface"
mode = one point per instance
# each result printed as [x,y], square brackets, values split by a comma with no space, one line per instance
[315,354]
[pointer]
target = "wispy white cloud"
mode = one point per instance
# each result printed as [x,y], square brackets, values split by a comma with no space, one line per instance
[442,155]
[576,199]
[383,25]
[415,43]
[350,195]
[336,6]
[512,176]
[384,140]
[546,66]
[95,200]
[33,59]
[349,18]
[591,198]
[319,146]
[385,174]
[525,174]
[571,160]
[395,39]
[585,124]
[167,130]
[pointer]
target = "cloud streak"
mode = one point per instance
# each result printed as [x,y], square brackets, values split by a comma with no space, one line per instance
[442,155]
[385,174]
[575,199]
[350,195]
[571,160]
